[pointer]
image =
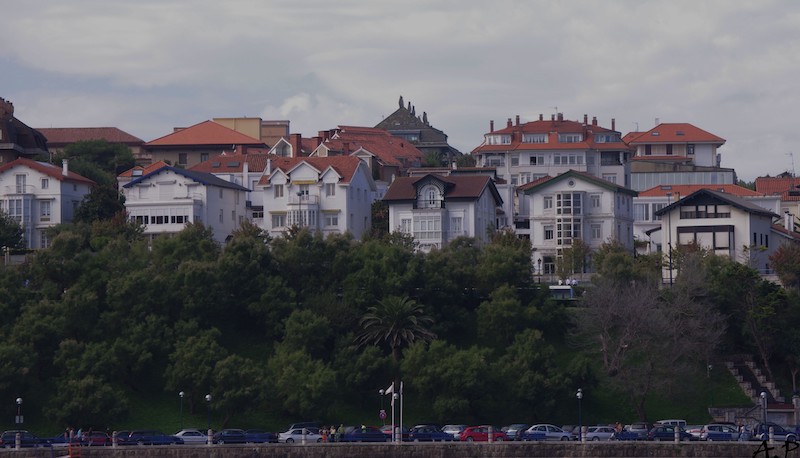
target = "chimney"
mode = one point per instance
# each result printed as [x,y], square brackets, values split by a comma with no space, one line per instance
[553,117]
[346,147]
[585,119]
[518,120]
[509,123]
[541,117]
[613,124]
[297,145]
[245,174]
[561,116]
[6,109]
[491,126]
[268,172]
[594,120]
[65,167]
[788,221]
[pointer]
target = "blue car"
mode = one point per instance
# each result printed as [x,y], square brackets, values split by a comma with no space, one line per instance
[230,436]
[428,433]
[667,433]
[150,437]
[363,434]
[26,439]
[259,436]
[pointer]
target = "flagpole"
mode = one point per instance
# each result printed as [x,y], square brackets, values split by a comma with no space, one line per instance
[401,411]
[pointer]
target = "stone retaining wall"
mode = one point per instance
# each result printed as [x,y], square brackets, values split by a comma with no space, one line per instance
[436,450]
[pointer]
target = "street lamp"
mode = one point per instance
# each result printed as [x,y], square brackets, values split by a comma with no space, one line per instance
[208,402]
[181,394]
[382,414]
[579,395]
[764,409]
[19,411]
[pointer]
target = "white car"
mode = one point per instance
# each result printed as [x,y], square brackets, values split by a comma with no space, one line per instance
[455,430]
[599,433]
[296,435]
[192,436]
[547,432]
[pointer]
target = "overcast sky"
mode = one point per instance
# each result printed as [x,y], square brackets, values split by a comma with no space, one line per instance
[730,67]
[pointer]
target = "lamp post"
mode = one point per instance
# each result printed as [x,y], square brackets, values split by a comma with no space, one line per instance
[300,206]
[181,394]
[539,262]
[382,414]
[19,411]
[208,402]
[764,410]
[579,395]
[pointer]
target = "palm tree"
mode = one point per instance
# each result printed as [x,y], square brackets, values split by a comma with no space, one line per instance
[396,321]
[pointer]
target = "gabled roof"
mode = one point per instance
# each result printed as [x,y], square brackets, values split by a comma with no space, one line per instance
[735,201]
[234,163]
[686,189]
[208,179]
[788,187]
[345,166]
[60,136]
[464,187]
[138,170]
[387,148]
[534,185]
[50,170]
[783,231]
[681,132]
[206,133]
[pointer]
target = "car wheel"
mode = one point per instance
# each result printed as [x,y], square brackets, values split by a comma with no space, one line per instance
[416,440]
[140,442]
[319,440]
[791,438]
[289,440]
[470,439]
[499,439]
[564,438]
[595,438]
[221,441]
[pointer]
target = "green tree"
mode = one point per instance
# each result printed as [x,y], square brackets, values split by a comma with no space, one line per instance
[302,385]
[192,364]
[237,385]
[786,262]
[501,318]
[466,160]
[102,202]
[11,235]
[97,160]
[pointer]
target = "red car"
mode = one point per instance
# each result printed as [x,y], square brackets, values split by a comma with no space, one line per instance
[95,438]
[481,434]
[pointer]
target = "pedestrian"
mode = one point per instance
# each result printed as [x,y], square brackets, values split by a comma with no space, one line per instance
[324,432]
[333,433]
[340,432]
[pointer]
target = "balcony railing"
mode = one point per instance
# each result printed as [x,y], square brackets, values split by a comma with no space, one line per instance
[303,199]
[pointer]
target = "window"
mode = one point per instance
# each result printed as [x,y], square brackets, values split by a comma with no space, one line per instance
[21,184]
[44,241]
[428,227]
[568,159]
[233,215]
[595,200]
[498,139]
[279,220]
[45,183]
[457,225]
[278,191]
[534,138]
[514,180]
[548,232]
[236,195]
[331,220]
[611,177]
[524,177]
[536,160]
[44,210]
[641,212]
[203,157]
[657,207]
[182,159]
[570,138]
[405,225]
[515,160]
[597,231]
[330,189]
[548,202]
[569,203]
[690,149]
[15,209]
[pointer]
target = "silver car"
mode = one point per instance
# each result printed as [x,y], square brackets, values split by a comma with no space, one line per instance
[551,433]
[192,436]
[599,433]
[296,435]
[455,430]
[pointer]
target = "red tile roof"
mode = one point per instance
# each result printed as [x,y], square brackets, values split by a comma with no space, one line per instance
[457,187]
[389,149]
[145,170]
[205,133]
[686,189]
[60,136]
[784,231]
[779,186]
[345,166]
[681,132]
[234,163]
[50,170]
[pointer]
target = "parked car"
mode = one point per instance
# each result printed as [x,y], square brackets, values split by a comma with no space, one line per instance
[481,434]
[230,436]
[387,429]
[667,433]
[122,437]
[694,430]
[296,435]
[514,431]
[363,434]
[428,433]
[305,424]
[27,439]
[551,433]
[599,433]
[192,436]
[95,438]
[760,432]
[634,432]
[718,432]
[454,430]
[151,437]
[673,422]
[259,436]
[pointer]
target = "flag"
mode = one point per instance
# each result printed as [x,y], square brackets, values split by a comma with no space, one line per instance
[389,390]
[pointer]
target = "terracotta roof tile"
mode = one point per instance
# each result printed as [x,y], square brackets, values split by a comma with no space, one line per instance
[459,187]
[786,187]
[57,136]
[205,133]
[234,163]
[51,170]
[145,170]
[345,166]
[552,128]
[686,189]
[389,149]
[682,132]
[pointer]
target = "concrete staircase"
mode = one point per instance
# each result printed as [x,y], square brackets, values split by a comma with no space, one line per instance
[753,380]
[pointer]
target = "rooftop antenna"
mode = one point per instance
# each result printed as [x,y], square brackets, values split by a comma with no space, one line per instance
[555,108]
[637,126]
[791,156]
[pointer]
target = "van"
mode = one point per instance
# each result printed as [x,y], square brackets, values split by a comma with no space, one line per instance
[672,422]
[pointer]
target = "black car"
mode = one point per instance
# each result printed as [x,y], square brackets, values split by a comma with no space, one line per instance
[150,437]
[230,436]
[259,436]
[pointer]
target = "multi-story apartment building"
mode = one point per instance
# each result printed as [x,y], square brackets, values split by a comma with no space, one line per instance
[40,195]
[328,194]
[435,209]
[164,200]
[242,169]
[574,206]
[525,152]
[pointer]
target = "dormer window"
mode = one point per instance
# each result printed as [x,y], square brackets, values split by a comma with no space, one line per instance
[534,138]
[498,139]
[570,138]
[429,196]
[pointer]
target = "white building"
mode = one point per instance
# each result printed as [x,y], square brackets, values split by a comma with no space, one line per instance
[242,169]
[166,199]
[726,225]
[328,194]
[571,206]
[435,209]
[40,195]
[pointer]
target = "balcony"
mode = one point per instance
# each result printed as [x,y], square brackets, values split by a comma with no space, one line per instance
[303,199]
[429,204]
